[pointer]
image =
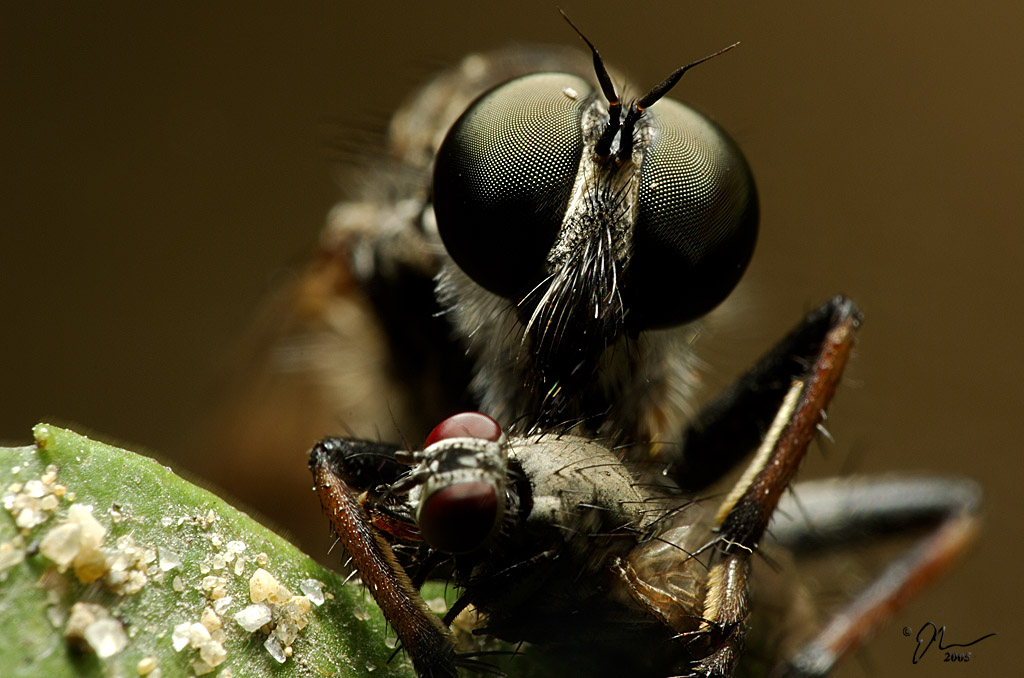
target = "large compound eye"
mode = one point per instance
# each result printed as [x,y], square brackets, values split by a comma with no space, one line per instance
[504,175]
[696,219]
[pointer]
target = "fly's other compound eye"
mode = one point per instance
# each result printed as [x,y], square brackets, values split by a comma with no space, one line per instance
[466,425]
[463,500]
[696,221]
[504,175]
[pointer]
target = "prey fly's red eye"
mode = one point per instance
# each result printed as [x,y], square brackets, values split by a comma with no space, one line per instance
[465,425]
[460,517]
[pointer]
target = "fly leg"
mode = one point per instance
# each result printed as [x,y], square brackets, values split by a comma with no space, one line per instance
[339,468]
[732,425]
[794,382]
[839,512]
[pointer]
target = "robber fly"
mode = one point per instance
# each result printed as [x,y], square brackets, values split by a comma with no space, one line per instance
[541,251]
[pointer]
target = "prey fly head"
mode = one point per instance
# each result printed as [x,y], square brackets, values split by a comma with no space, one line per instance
[457,484]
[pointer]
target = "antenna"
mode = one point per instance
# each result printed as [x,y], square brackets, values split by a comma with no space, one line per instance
[604,144]
[637,108]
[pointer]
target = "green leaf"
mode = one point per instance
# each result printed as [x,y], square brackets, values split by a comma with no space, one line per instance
[181,548]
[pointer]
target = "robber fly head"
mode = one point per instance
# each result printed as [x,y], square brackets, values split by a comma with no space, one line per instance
[548,193]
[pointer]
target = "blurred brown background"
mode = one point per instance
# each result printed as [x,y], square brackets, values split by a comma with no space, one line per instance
[163,169]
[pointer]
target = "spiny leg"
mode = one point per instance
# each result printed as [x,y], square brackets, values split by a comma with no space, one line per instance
[733,424]
[835,512]
[427,640]
[744,516]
